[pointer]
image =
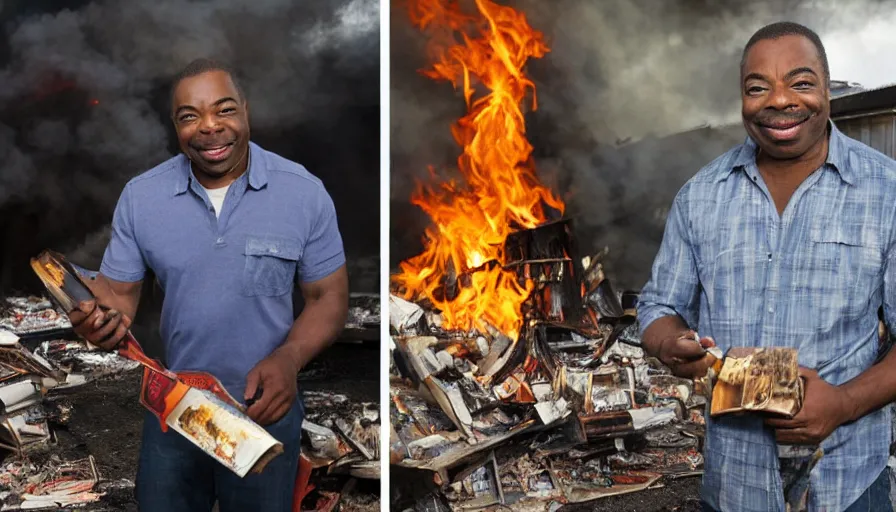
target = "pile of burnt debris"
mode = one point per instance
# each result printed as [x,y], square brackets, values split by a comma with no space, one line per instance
[363,323]
[40,361]
[340,448]
[570,411]
[340,466]
[43,364]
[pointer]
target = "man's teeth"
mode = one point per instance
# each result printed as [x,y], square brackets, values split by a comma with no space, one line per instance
[216,151]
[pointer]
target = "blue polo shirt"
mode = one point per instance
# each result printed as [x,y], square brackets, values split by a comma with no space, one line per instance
[228,280]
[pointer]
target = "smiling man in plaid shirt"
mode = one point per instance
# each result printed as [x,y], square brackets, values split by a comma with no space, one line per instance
[787,240]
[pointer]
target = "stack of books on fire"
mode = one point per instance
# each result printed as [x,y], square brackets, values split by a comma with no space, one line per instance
[570,408]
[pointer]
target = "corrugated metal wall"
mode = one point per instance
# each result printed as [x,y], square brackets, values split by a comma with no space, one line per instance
[877,131]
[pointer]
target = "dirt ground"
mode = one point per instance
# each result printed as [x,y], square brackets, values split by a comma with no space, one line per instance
[107,421]
[677,496]
[681,495]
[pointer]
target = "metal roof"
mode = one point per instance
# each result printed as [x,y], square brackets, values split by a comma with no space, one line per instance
[865,101]
[842,87]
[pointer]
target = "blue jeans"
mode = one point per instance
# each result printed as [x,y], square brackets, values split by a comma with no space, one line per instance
[875,498]
[176,476]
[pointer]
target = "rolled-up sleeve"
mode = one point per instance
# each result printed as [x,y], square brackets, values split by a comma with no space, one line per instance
[674,284]
[123,260]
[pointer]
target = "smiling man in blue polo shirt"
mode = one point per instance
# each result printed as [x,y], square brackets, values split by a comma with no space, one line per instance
[228,228]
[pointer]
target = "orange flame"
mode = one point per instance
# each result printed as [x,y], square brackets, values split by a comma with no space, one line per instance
[500,192]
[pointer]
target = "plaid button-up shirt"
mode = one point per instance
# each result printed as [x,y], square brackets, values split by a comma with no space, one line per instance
[812,278]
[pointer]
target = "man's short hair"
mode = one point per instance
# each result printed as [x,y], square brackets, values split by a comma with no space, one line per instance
[204,65]
[789,28]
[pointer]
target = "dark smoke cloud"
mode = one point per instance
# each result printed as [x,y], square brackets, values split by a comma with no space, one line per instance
[83,106]
[621,75]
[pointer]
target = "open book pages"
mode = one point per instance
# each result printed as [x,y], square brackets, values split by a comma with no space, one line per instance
[223,432]
[762,380]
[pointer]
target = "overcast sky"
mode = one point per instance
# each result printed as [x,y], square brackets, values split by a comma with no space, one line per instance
[864,56]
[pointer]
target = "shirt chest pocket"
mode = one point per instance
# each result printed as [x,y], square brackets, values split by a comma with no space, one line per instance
[271,265]
[843,271]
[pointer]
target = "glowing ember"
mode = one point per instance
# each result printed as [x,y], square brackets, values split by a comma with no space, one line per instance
[500,192]
[54,273]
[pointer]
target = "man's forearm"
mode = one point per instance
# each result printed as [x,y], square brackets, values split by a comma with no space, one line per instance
[315,329]
[873,388]
[124,301]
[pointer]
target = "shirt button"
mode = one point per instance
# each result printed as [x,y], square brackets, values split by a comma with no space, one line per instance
[771,309]
[220,240]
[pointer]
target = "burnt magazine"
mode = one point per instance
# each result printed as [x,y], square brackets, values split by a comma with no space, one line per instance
[763,380]
[215,426]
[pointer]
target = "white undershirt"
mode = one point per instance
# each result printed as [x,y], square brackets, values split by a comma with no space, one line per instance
[216,196]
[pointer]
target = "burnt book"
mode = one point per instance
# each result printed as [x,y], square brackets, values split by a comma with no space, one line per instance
[25,428]
[361,434]
[461,398]
[82,363]
[586,482]
[760,380]
[602,425]
[544,255]
[479,485]
[16,360]
[324,446]
[32,316]
[405,317]
[18,394]
[420,354]
[604,299]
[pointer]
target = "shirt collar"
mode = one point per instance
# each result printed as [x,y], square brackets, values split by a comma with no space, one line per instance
[837,156]
[258,176]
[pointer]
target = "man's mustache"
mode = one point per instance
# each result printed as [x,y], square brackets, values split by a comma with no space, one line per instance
[773,118]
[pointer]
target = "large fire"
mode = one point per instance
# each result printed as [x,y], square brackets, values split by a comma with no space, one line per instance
[499,192]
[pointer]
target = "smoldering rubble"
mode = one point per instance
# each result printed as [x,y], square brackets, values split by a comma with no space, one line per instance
[572,411]
[340,449]
[42,362]
[341,430]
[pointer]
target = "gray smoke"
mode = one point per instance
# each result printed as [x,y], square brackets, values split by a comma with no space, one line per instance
[83,107]
[621,75]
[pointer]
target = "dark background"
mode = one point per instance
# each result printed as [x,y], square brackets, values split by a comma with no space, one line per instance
[84,108]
